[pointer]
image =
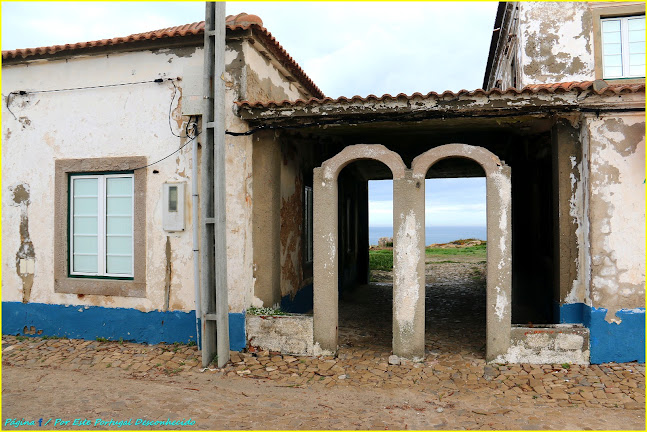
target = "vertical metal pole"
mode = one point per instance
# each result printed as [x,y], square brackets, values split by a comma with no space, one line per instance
[222,302]
[214,298]
[207,285]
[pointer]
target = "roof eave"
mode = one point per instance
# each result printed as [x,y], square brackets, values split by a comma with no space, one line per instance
[475,105]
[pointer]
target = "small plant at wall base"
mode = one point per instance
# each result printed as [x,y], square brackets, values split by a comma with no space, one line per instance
[265,311]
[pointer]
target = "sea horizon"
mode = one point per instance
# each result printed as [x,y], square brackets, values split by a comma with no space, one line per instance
[433,234]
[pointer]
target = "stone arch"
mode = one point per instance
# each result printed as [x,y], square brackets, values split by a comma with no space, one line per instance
[325,234]
[499,236]
[333,166]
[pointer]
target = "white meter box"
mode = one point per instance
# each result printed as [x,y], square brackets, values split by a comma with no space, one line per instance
[173,206]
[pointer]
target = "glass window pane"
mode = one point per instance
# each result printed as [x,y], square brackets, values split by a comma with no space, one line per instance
[85,206]
[611,38]
[637,59]
[119,186]
[637,48]
[85,186]
[610,25]
[611,49]
[119,265]
[86,245]
[85,264]
[636,24]
[637,70]
[119,206]
[119,245]
[637,36]
[612,72]
[612,60]
[119,225]
[85,225]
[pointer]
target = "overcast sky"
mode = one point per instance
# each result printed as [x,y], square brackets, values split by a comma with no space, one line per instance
[347,49]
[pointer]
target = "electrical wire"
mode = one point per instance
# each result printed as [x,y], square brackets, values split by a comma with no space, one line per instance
[26,92]
[169,155]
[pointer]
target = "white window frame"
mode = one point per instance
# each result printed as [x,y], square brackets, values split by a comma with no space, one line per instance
[102,254]
[624,46]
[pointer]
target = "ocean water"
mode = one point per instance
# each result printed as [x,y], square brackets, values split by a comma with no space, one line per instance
[434,234]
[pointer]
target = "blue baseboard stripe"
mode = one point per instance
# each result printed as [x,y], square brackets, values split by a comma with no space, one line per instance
[610,342]
[92,322]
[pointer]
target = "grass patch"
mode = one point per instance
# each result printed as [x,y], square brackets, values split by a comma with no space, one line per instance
[381,259]
[477,251]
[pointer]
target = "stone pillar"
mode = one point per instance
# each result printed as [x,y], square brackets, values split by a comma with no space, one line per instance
[266,213]
[409,267]
[499,262]
[325,259]
[567,212]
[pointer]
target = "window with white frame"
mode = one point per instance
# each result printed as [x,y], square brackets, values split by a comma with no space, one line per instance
[101,225]
[623,47]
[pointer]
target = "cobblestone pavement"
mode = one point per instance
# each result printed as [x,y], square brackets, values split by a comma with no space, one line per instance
[452,389]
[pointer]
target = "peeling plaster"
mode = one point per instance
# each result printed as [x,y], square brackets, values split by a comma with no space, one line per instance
[25,256]
[550,33]
[407,255]
[617,161]
[501,303]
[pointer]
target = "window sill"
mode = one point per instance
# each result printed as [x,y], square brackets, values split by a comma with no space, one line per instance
[624,80]
[100,286]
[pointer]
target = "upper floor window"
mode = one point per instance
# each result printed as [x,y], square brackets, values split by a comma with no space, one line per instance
[623,47]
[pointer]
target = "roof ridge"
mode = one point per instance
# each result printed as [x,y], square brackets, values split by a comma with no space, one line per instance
[192,29]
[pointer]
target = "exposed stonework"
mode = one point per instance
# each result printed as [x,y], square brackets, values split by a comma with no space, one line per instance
[558,344]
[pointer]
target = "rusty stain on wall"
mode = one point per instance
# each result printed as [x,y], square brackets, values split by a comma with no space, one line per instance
[291,230]
[25,257]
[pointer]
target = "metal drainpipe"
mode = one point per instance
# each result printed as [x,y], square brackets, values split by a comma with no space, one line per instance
[196,247]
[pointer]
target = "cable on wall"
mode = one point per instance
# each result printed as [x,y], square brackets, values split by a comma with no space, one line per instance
[12,94]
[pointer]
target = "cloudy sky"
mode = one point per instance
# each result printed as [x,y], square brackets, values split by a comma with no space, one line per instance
[347,48]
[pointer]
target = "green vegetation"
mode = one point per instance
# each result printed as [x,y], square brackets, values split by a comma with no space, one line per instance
[53,337]
[382,259]
[21,338]
[265,311]
[101,339]
[479,251]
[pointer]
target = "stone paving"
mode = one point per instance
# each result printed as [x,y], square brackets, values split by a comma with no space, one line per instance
[454,370]
[609,385]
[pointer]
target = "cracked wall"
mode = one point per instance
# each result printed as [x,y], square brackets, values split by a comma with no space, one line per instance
[617,212]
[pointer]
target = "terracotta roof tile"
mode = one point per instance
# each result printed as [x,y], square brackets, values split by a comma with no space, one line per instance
[234,22]
[553,88]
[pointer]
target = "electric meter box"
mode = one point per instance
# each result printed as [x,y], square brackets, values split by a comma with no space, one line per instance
[173,206]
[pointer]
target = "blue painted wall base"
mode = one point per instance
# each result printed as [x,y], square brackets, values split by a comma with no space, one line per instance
[302,301]
[610,342]
[92,322]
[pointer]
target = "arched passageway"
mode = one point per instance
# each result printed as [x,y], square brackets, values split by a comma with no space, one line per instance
[409,245]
